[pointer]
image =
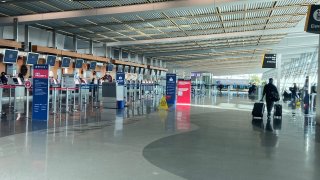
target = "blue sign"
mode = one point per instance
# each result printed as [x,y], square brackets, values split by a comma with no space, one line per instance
[79,63]
[120,77]
[171,88]
[51,60]
[10,56]
[32,58]
[40,102]
[65,62]
[93,65]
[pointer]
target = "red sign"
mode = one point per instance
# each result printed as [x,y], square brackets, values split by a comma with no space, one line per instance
[40,73]
[184,92]
[27,84]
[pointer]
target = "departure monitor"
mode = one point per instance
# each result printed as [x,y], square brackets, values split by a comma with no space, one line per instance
[51,60]
[32,58]
[79,63]
[10,56]
[65,62]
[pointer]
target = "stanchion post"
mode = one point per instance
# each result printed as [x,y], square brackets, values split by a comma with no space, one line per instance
[27,113]
[55,100]
[1,93]
[67,100]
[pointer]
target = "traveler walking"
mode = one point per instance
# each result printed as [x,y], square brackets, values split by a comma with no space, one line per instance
[272,95]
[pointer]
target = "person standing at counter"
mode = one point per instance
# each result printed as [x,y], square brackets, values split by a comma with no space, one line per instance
[4,79]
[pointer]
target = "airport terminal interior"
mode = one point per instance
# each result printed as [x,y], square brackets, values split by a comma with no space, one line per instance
[159,90]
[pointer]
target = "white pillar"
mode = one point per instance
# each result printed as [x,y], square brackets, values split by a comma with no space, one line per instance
[318,88]
[279,56]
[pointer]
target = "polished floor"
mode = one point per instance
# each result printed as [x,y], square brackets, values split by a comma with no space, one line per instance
[214,138]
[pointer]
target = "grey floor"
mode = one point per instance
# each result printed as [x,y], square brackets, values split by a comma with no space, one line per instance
[214,138]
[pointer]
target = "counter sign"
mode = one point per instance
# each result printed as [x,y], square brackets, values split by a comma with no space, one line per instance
[313,20]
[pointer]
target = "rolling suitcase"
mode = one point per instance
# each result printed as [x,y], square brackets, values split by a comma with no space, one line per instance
[277,111]
[258,110]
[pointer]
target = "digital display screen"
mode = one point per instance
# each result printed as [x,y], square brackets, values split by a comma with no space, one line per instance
[65,62]
[93,65]
[79,63]
[32,58]
[15,80]
[10,56]
[51,60]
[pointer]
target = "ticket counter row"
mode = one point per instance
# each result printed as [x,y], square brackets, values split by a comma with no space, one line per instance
[66,97]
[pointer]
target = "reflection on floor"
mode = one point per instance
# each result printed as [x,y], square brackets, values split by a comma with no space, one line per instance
[214,138]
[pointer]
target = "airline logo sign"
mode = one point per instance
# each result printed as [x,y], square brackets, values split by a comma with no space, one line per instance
[313,19]
[269,61]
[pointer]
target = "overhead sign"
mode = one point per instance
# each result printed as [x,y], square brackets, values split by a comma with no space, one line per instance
[120,77]
[184,91]
[171,88]
[313,19]
[40,102]
[10,56]
[269,61]
[51,60]
[196,74]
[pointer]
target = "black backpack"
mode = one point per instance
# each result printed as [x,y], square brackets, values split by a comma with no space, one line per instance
[274,95]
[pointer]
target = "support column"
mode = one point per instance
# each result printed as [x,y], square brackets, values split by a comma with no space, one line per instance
[144,59]
[91,46]
[108,52]
[16,29]
[137,58]
[26,38]
[318,88]
[54,39]
[279,68]
[120,54]
[160,63]
[75,43]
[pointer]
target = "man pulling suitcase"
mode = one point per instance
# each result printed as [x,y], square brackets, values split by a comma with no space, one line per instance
[272,95]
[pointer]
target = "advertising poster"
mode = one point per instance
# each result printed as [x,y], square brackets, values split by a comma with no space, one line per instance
[171,88]
[184,92]
[40,103]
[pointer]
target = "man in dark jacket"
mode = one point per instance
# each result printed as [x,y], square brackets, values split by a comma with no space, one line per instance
[271,93]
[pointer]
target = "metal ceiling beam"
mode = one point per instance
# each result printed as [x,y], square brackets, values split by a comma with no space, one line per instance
[202,37]
[179,18]
[285,50]
[120,10]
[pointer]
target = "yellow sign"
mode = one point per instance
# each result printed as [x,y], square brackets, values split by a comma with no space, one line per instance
[163,104]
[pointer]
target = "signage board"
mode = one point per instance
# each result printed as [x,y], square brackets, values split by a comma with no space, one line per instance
[313,19]
[196,74]
[93,65]
[269,61]
[32,58]
[27,84]
[68,81]
[51,60]
[65,62]
[171,88]
[79,63]
[184,92]
[120,77]
[10,56]
[40,102]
